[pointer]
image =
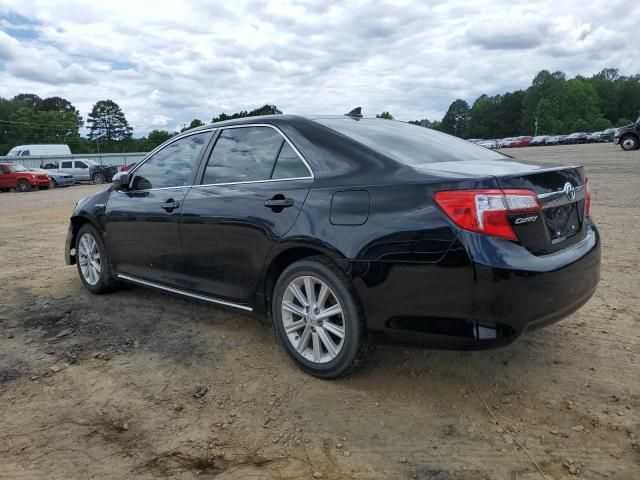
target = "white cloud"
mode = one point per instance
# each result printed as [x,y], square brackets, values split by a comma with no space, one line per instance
[168,63]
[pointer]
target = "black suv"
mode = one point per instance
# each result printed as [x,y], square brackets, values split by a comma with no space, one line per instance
[628,137]
[342,227]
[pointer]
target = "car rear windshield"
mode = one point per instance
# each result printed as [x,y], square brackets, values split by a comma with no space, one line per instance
[409,144]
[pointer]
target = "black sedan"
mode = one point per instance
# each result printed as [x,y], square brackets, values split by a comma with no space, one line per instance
[340,228]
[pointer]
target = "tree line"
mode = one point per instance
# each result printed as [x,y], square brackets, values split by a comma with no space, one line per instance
[552,104]
[28,119]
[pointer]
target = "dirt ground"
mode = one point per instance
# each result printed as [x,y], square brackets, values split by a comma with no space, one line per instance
[102,386]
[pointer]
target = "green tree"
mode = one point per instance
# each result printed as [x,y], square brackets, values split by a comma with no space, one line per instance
[60,104]
[426,123]
[107,121]
[194,123]
[264,110]
[28,100]
[386,115]
[456,120]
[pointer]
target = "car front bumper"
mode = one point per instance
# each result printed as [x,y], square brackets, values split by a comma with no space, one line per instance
[459,303]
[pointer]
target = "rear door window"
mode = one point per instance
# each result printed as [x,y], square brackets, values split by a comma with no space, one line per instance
[243,154]
[65,165]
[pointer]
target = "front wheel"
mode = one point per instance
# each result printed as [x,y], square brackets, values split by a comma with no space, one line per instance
[23,186]
[319,319]
[629,142]
[99,178]
[92,261]
[53,183]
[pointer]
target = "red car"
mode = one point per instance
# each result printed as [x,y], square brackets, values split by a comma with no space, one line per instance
[520,142]
[14,175]
[126,168]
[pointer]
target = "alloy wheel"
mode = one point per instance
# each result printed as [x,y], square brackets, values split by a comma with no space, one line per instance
[313,319]
[629,143]
[89,259]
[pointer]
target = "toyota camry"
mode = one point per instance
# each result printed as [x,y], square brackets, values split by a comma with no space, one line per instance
[344,228]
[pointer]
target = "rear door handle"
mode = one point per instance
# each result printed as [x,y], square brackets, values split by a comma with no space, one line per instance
[279,203]
[170,205]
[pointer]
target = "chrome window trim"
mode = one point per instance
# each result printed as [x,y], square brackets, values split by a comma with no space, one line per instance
[146,283]
[285,138]
[269,180]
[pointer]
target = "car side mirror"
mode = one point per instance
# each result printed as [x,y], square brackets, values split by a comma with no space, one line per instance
[121,181]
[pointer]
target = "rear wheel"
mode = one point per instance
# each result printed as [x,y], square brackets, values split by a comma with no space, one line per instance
[319,319]
[629,142]
[23,186]
[92,261]
[99,178]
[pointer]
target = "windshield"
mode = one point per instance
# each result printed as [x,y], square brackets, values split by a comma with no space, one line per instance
[16,167]
[409,144]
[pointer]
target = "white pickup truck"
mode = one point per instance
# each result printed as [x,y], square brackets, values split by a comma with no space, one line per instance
[84,169]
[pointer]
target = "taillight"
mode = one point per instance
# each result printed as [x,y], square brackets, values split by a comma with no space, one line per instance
[587,198]
[485,211]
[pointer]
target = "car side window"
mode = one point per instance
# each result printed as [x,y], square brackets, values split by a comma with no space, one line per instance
[25,153]
[289,165]
[81,164]
[171,166]
[65,165]
[243,155]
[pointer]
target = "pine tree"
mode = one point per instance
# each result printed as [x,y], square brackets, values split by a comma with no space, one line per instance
[107,121]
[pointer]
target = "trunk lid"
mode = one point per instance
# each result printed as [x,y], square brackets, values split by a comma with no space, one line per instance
[561,222]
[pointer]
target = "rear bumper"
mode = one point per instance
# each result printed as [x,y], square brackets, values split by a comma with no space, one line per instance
[459,303]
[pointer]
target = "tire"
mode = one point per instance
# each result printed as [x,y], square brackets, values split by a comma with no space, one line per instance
[23,186]
[53,183]
[96,280]
[629,142]
[323,354]
[99,178]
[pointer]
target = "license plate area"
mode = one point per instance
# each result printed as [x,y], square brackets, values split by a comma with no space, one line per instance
[562,222]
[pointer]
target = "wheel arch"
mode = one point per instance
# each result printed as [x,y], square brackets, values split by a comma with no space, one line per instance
[281,259]
[77,221]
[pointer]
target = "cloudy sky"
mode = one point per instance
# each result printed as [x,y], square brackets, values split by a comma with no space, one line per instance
[166,62]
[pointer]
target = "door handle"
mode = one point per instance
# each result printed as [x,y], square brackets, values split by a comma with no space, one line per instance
[170,205]
[278,201]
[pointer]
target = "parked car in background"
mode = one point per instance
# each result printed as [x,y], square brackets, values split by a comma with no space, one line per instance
[15,175]
[628,137]
[491,144]
[577,137]
[475,140]
[607,135]
[126,168]
[520,142]
[538,141]
[39,150]
[342,227]
[505,142]
[594,137]
[552,140]
[83,170]
[58,179]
